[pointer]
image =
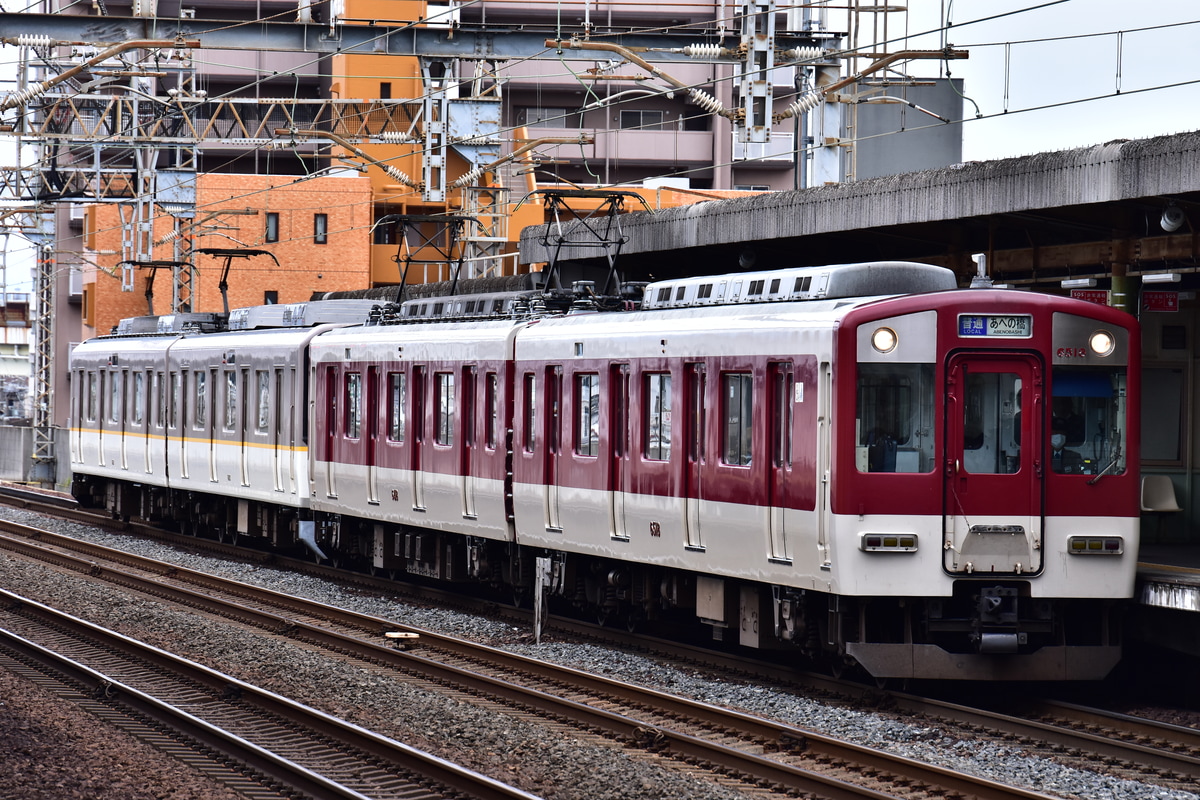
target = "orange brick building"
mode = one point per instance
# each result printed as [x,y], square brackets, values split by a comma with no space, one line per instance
[319,229]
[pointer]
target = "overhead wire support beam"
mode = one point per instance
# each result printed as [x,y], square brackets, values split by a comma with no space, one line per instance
[406,38]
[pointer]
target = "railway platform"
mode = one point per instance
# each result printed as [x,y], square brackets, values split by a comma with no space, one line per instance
[1168,597]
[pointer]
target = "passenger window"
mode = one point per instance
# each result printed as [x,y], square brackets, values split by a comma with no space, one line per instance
[114,397]
[493,410]
[895,418]
[397,391]
[160,389]
[93,395]
[139,394]
[444,400]
[201,396]
[658,416]
[737,417]
[530,415]
[353,404]
[230,400]
[264,400]
[587,414]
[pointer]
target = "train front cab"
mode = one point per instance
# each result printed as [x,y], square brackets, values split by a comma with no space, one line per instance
[971,541]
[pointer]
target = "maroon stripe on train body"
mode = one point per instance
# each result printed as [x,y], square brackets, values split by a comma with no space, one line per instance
[857,493]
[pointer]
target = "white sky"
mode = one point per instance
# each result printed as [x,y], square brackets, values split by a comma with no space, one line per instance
[1046,73]
[1039,83]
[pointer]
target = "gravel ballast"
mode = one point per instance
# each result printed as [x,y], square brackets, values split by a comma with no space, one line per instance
[525,753]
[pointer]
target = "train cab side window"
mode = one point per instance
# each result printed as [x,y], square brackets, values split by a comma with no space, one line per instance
[587,414]
[658,416]
[93,395]
[895,418]
[353,405]
[443,400]
[530,411]
[737,416]
[492,401]
[201,398]
[397,400]
[1088,412]
[263,384]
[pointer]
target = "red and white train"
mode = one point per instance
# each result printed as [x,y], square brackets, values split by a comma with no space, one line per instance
[859,462]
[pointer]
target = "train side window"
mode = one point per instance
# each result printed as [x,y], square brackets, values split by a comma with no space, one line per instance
[657,445]
[160,393]
[200,389]
[353,405]
[468,406]
[230,400]
[397,399]
[1088,408]
[737,415]
[696,411]
[443,388]
[263,384]
[781,414]
[114,396]
[530,411]
[173,401]
[587,414]
[139,395]
[93,395]
[492,399]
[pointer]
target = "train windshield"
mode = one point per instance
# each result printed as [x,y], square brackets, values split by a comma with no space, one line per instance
[895,418]
[1087,429]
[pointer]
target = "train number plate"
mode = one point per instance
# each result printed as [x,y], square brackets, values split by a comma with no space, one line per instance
[1017,326]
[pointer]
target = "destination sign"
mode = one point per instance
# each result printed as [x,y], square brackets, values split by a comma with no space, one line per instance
[1017,326]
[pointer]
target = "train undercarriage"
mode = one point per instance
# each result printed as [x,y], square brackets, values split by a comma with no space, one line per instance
[986,630]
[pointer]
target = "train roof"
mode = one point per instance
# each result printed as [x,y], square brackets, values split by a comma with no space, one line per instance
[866,279]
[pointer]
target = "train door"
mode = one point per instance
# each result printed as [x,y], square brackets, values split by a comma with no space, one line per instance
[179,417]
[206,414]
[553,445]
[694,386]
[372,440]
[120,403]
[466,444]
[780,479]
[243,423]
[331,412]
[276,423]
[618,420]
[418,437]
[824,451]
[993,464]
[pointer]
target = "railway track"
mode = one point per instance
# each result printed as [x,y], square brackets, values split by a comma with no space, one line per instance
[762,753]
[257,742]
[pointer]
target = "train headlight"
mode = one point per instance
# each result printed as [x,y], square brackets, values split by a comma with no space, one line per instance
[1102,343]
[884,340]
[887,542]
[1095,545]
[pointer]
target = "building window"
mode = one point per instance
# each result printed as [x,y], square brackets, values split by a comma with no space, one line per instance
[644,120]
[385,90]
[272,226]
[535,117]
[270,298]
[321,228]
